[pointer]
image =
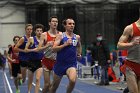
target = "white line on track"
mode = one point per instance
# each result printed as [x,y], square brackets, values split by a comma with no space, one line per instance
[4,81]
[10,89]
[35,85]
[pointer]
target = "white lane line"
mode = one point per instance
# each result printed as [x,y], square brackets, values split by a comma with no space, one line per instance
[4,81]
[10,89]
[35,85]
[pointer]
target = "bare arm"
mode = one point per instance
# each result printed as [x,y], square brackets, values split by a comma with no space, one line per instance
[41,45]
[56,46]
[123,41]
[20,42]
[30,42]
[9,56]
[79,46]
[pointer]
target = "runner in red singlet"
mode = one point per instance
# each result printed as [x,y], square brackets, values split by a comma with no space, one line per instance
[131,35]
[13,58]
[48,61]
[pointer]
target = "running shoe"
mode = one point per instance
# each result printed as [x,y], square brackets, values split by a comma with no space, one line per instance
[17,91]
[20,82]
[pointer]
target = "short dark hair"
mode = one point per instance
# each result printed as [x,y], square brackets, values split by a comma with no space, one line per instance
[50,19]
[28,25]
[9,45]
[64,21]
[16,37]
[39,26]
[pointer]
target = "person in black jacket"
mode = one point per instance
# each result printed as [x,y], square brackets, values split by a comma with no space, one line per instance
[101,54]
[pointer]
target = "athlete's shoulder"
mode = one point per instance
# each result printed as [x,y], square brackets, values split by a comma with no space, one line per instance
[44,33]
[78,36]
[59,32]
[22,39]
[128,28]
[60,35]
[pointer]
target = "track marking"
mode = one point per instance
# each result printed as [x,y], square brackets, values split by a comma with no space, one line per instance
[4,81]
[10,89]
[35,85]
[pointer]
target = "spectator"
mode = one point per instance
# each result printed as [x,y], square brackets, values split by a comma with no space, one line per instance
[101,54]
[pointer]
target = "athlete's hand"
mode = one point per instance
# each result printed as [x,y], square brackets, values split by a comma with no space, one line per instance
[136,41]
[13,60]
[49,44]
[26,50]
[68,42]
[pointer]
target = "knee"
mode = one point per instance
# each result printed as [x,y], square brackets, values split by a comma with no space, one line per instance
[37,81]
[72,80]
